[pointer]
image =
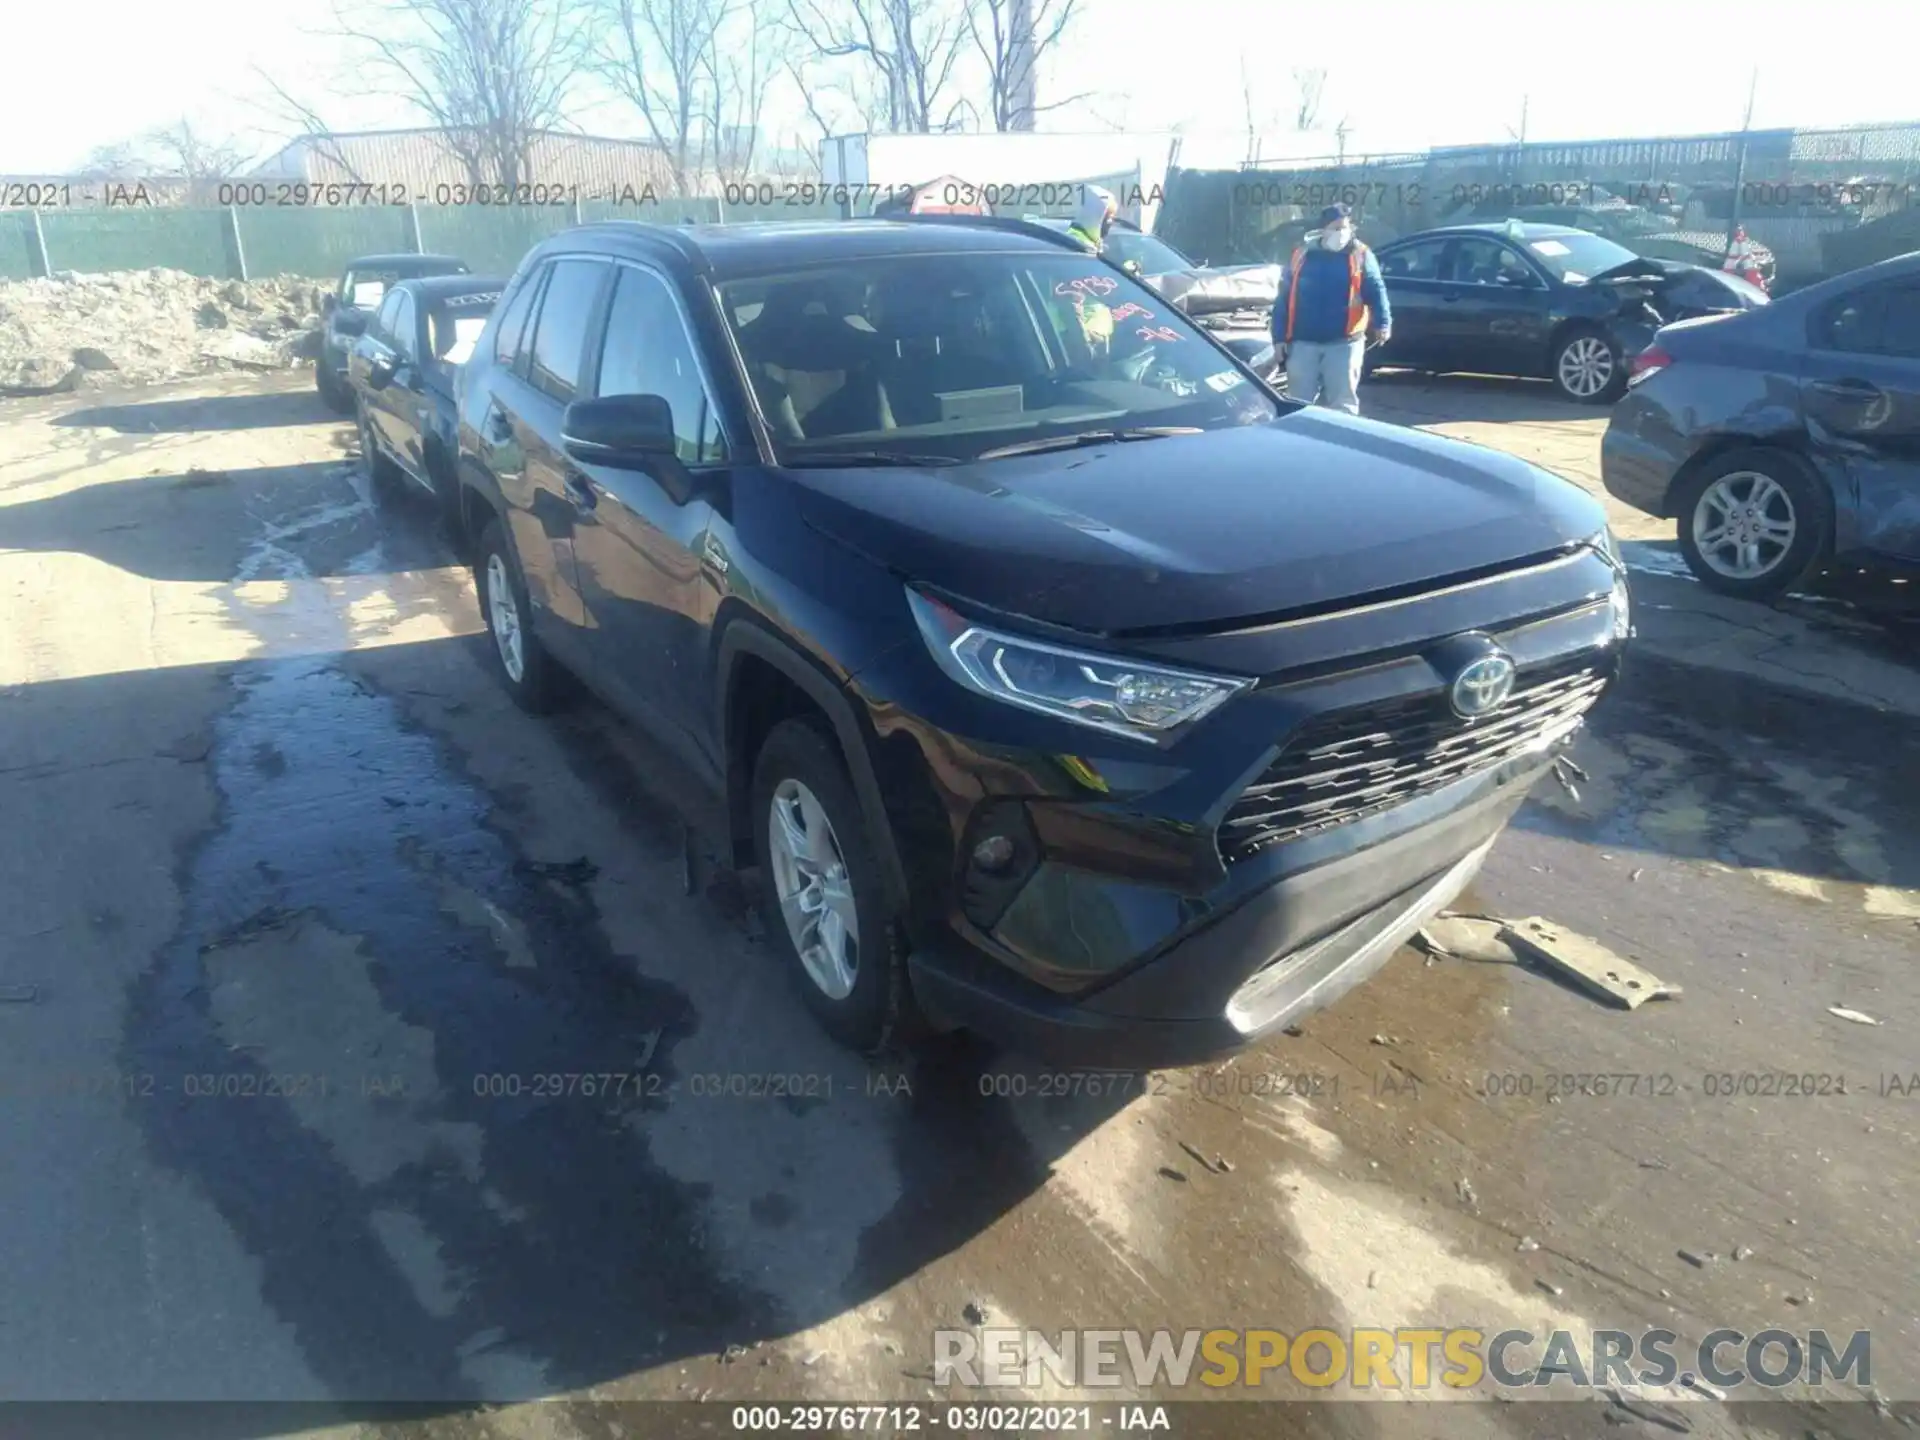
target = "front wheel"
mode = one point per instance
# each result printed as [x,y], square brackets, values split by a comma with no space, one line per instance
[381,470]
[1754,523]
[518,656]
[823,892]
[1588,368]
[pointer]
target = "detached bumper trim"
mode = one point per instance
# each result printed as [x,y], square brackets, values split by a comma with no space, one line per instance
[1314,977]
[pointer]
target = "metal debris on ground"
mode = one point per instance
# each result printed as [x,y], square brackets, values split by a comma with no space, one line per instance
[1169,1173]
[579,871]
[1464,1188]
[1654,1414]
[974,1313]
[1587,962]
[1204,1163]
[1742,1252]
[1699,1262]
[1694,1382]
[1527,1245]
[1467,937]
[266,918]
[1855,1016]
[1550,1288]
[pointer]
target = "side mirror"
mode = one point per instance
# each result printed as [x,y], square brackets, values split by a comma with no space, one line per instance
[350,322]
[628,432]
[380,372]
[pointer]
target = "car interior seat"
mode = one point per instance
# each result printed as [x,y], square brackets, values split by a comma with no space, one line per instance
[813,367]
[936,340]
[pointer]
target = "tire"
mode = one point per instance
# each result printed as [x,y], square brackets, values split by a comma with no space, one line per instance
[519,659]
[387,480]
[800,768]
[335,396]
[1783,491]
[1582,357]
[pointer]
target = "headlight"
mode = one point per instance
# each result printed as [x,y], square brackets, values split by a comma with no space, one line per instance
[1104,692]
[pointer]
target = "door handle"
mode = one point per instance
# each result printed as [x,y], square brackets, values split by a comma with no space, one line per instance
[1449,299]
[1848,389]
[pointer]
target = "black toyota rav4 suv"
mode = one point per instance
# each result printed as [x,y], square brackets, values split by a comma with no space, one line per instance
[1061,681]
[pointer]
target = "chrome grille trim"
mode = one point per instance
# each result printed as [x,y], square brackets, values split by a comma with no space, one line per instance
[1359,761]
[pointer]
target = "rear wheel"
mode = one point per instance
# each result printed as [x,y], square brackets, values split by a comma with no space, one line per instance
[823,892]
[519,659]
[1588,367]
[1754,523]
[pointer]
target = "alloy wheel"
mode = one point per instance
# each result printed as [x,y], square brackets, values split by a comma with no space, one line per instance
[1744,524]
[1586,366]
[815,892]
[503,617]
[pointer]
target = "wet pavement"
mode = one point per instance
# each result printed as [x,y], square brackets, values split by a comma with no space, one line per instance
[364,1039]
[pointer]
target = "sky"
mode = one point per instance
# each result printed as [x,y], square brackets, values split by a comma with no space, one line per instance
[1402,74]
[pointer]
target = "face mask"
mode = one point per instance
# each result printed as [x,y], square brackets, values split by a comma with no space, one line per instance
[1336,239]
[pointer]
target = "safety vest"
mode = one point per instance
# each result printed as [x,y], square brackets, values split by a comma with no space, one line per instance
[1356,272]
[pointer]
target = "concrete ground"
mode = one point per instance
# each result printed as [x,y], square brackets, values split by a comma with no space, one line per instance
[294,974]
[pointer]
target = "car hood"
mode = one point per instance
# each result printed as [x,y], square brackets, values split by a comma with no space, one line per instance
[1309,512]
[1216,291]
[1682,286]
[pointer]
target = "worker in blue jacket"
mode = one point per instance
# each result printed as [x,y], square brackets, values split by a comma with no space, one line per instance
[1332,305]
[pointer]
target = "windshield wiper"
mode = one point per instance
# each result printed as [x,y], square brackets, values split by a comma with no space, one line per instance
[836,459]
[1087,437]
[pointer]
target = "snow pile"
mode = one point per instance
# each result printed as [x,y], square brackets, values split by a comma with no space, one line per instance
[75,330]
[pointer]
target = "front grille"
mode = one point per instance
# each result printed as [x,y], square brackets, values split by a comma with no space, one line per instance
[1356,762]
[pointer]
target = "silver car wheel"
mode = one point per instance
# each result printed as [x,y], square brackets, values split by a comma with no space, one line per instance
[1744,525]
[1586,366]
[815,893]
[503,618]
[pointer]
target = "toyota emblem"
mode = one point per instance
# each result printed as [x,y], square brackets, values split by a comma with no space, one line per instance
[1482,687]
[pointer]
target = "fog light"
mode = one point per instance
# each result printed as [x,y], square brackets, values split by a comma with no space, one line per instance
[993,853]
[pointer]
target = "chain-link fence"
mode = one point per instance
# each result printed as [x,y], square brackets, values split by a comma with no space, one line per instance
[1822,201]
[238,242]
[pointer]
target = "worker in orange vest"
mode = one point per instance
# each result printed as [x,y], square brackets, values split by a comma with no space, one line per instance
[1333,303]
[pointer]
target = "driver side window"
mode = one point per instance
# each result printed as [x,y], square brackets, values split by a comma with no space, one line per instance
[401,336]
[387,316]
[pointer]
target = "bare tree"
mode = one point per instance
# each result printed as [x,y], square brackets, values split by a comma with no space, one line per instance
[659,55]
[904,55]
[290,113]
[192,155]
[1013,36]
[1308,85]
[490,74]
[746,56]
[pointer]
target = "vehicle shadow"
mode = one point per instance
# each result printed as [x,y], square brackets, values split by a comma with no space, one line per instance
[187,527]
[261,411]
[560,1122]
[1734,770]
[1424,399]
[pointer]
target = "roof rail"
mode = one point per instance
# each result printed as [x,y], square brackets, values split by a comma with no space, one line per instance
[1012,226]
[673,237]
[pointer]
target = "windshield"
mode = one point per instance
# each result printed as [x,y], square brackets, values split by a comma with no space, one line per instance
[1574,256]
[955,355]
[1154,257]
